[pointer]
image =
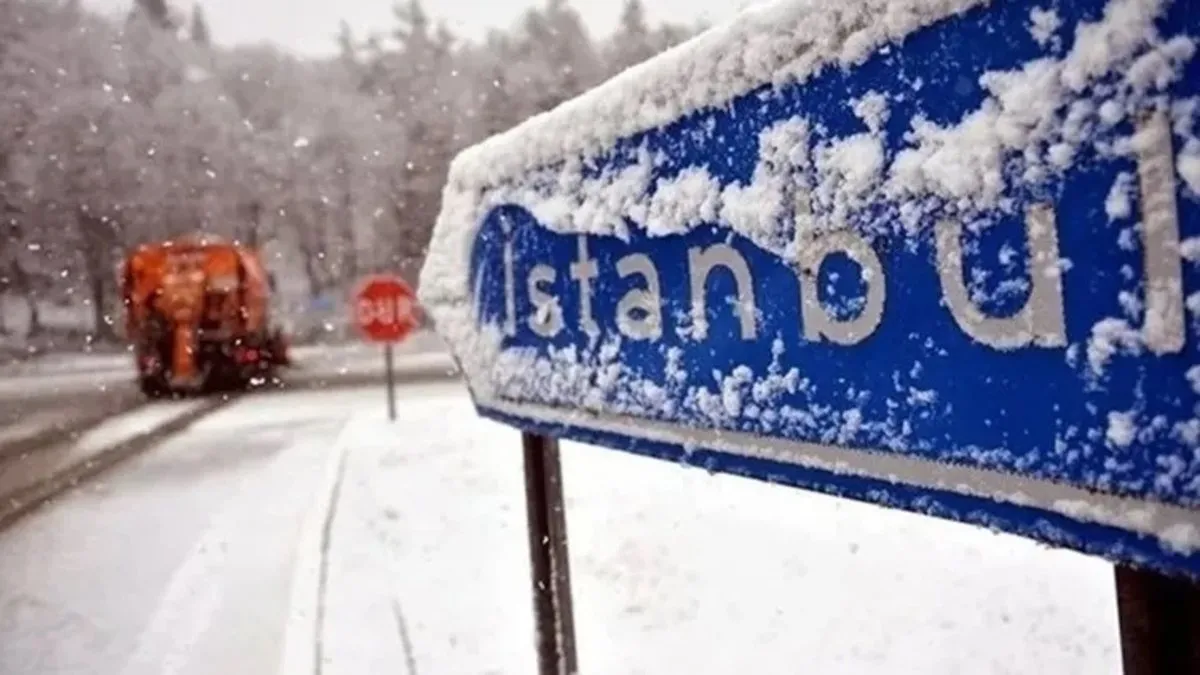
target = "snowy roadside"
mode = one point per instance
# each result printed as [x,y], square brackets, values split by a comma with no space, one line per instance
[427,567]
[320,356]
[68,362]
[311,364]
[28,424]
[30,478]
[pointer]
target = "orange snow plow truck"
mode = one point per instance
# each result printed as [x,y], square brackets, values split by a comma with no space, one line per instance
[197,312]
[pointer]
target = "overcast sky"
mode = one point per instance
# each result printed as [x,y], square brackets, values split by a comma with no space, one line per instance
[308,27]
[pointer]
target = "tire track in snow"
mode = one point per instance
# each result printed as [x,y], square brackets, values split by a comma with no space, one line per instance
[410,660]
[326,537]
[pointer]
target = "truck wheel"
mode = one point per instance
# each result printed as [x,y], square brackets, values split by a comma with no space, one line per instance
[278,347]
[153,387]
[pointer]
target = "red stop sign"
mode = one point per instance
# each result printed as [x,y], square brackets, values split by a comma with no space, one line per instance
[385,308]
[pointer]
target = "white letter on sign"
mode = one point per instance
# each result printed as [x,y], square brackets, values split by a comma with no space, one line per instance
[700,264]
[812,248]
[547,319]
[510,293]
[647,301]
[1163,329]
[584,271]
[1041,320]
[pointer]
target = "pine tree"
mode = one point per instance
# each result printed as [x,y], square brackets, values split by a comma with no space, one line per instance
[157,12]
[632,42]
[557,57]
[414,22]
[633,17]
[347,50]
[200,32]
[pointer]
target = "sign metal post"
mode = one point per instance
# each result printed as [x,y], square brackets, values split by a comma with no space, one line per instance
[389,366]
[553,613]
[1160,622]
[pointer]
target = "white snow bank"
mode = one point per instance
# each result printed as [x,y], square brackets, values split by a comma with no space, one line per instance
[429,566]
[427,557]
[37,467]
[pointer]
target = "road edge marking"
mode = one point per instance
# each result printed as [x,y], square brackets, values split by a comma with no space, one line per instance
[302,630]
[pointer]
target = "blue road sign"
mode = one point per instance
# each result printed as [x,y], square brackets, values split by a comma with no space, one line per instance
[940,255]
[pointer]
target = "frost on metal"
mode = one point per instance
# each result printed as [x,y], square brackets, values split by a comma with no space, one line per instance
[1094,92]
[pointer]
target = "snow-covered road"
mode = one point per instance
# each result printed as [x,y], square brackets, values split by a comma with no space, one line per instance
[204,555]
[179,561]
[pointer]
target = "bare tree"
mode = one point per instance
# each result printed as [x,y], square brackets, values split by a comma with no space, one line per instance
[112,134]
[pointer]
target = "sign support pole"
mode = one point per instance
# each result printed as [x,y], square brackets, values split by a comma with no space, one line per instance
[391,381]
[554,620]
[1160,622]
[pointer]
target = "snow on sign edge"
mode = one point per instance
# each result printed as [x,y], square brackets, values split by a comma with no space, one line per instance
[776,43]
[779,43]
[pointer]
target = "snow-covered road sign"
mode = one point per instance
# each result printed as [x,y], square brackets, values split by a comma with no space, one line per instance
[934,254]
